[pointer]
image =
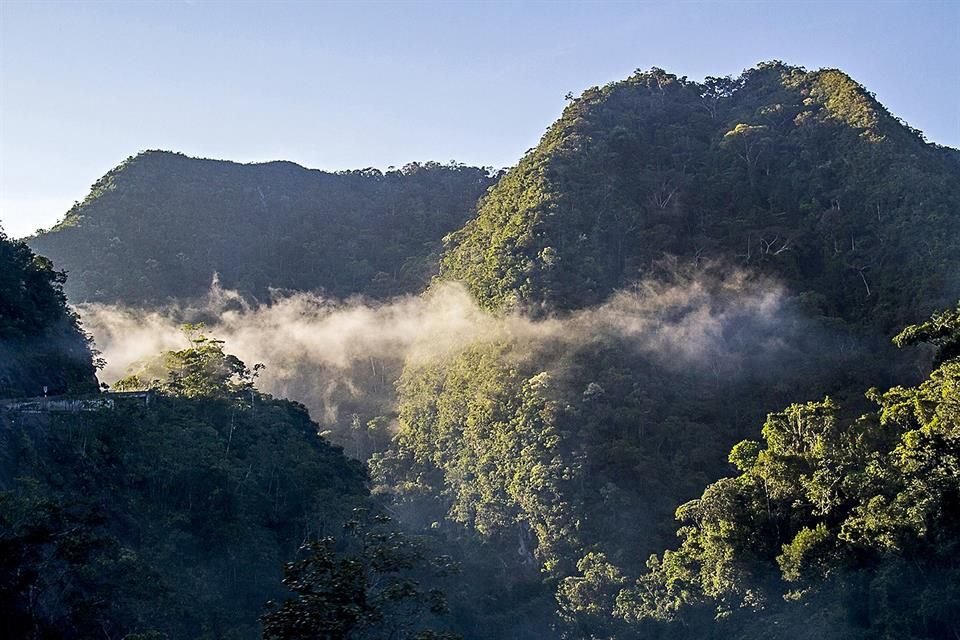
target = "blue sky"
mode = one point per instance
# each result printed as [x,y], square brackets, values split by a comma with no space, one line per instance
[333,86]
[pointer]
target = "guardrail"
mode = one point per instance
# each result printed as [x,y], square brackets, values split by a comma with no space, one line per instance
[75,404]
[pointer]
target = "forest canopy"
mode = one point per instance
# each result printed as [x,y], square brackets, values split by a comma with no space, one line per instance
[162,225]
[41,342]
[689,370]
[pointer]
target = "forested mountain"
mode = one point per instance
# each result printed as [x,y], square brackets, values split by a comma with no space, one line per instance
[837,526]
[674,264]
[161,224]
[41,342]
[755,241]
[570,452]
[169,517]
[789,172]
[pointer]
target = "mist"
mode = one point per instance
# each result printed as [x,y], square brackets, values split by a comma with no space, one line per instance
[343,357]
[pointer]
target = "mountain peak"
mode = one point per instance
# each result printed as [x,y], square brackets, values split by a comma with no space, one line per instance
[721,169]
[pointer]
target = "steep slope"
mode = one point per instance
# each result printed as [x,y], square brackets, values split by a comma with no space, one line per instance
[170,518]
[41,343]
[161,224]
[834,528]
[800,174]
[174,518]
[754,242]
[562,445]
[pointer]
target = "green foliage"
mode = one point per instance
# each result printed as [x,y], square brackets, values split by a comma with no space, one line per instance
[551,467]
[161,225]
[367,586]
[942,331]
[202,370]
[173,518]
[803,175]
[588,600]
[493,432]
[568,457]
[856,516]
[41,343]
[61,574]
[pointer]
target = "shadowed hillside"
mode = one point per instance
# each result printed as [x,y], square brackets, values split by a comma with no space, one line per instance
[161,224]
[41,343]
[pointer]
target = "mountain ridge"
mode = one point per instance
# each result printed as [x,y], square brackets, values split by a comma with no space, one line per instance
[160,224]
[775,169]
[673,261]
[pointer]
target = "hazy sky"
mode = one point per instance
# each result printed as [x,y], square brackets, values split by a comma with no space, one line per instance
[83,85]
